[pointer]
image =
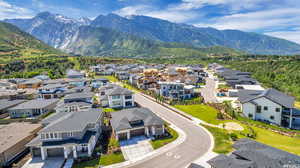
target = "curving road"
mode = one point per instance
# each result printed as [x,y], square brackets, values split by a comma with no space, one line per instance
[196,144]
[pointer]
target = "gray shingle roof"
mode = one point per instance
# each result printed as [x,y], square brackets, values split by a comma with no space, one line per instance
[35,104]
[79,95]
[5,103]
[253,154]
[73,121]
[120,120]
[272,94]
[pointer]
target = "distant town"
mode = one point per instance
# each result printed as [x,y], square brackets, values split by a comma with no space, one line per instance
[147,115]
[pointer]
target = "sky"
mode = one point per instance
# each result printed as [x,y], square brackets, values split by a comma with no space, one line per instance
[279,18]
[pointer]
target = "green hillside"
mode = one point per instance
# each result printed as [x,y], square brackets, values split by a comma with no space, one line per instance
[16,44]
[91,41]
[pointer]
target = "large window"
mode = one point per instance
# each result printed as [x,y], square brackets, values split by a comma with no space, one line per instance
[128,97]
[258,109]
[277,109]
[116,97]
[265,108]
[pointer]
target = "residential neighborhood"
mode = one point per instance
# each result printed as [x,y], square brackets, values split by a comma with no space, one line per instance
[139,115]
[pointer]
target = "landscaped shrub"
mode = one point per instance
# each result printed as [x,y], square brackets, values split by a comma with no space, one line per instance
[233,136]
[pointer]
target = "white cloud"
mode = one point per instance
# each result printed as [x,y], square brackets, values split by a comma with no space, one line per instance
[8,10]
[289,35]
[257,20]
[167,14]
[232,4]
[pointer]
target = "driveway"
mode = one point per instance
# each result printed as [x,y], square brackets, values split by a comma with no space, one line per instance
[50,162]
[208,92]
[135,147]
[197,143]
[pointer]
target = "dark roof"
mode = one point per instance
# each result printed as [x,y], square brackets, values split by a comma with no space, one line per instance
[79,95]
[245,95]
[35,104]
[84,140]
[275,96]
[73,121]
[119,91]
[252,154]
[5,103]
[120,120]
[193,165]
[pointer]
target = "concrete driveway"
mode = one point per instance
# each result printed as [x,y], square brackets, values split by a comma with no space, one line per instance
[50,162]
[208,92]
[135,147]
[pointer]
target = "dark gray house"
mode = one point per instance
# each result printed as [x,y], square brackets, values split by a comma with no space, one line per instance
[33,108]
[68,135]
[252,154]
[136,122]
[5,104]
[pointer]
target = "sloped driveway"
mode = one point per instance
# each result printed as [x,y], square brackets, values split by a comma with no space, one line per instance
[135,147]
[50,162]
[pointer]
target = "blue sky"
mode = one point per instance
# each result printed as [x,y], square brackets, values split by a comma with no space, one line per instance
[280,18]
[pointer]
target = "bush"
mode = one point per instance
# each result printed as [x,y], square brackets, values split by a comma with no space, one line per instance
[233,136]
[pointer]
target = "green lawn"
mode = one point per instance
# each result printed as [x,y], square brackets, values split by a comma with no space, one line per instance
[161,142]
[278,141]
[104,160]
[110,78]
[297,104]
[201,111]
[109,110]
[223,142]
[222,86]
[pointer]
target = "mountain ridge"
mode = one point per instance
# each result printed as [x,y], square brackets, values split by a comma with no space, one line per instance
[59,34]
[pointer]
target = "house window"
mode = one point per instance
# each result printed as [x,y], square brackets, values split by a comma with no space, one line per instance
[128,97]
[265,108]
[51,135]
[277,109]
[42,136]
[250,115]
[258,109]
[272,117]
[55,135]
[116,97]
[47,136]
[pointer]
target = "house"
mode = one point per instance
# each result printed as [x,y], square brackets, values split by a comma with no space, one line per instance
[33,108]
[71,73]
[13,140]
[114,96]
[252,154]
[42,77]
[30,83]
[86,97]
[68,135]
[5,104]
[73,107]
[77,82]
[270,106]
[175,90]
[122,75]
[97,83]
[134,79]
[51,91]
[136,122]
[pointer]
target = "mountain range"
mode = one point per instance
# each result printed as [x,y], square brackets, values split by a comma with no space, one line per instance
[143,36]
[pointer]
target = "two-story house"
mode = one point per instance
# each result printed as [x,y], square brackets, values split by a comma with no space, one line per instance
[175,90]
[270,106]
[68,135]
[136,122]
[114,96]
[33,108]
[71,73]
[52,91]
[79,97]
[97,83]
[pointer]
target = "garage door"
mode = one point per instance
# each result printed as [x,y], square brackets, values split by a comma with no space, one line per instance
[122,136]
[55,152]
[137,132]
[36,152]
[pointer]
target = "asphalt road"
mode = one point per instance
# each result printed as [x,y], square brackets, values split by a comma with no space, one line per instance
[196,144]
[208,92]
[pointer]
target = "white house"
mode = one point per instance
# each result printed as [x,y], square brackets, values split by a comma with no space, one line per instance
[114,96]
[269,106]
